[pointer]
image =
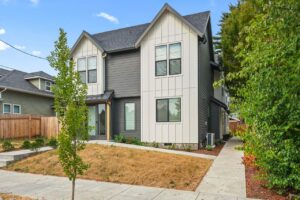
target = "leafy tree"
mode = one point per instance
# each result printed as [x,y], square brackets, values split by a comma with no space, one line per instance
[269,59]
[232,33]
[70,94]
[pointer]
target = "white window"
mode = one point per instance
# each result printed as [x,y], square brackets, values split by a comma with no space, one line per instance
[6,108]
[81,68]
[129,116]
[170,60]
[87,69]
[168,110]
[16,109]
[92,69]
[48,85]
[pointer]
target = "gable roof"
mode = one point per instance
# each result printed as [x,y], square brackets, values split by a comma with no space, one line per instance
[87,35]
[192,22]
[15,80]
[39,74]
[126,38]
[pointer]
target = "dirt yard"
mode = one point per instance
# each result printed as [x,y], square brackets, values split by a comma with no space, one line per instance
[124,165]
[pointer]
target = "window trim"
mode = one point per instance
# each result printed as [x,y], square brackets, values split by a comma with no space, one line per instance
[19,109]
[3,111]
[50,84]
[125,128]
[168,115]
[168,59]
[87,69]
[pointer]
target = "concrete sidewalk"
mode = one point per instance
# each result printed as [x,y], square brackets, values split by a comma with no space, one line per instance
[214,186]
[226,176]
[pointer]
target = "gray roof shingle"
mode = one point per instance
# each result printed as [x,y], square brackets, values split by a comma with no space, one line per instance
[38,74]
[3,72]
[15,80]
[125,38]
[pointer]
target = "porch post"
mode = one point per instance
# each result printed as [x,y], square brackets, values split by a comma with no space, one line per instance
[108,119]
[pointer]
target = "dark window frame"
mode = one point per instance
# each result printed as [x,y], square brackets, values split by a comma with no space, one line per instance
[125,128]
[166,60]
[89,70]
[168,110]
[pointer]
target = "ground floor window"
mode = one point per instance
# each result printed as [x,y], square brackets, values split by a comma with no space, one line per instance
[129,116]
[168,110]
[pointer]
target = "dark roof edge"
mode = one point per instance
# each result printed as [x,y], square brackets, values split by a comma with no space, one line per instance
[27,92]
[40,77]
[85,34]
[215,66]
[170,9]
[220,103]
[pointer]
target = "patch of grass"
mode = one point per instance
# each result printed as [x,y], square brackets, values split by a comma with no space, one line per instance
[125,165]
[7,196]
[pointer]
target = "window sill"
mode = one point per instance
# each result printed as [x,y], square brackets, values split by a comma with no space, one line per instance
[168,76]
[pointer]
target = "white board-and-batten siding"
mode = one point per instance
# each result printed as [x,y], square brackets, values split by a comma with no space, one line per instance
[87,49]
[167,30]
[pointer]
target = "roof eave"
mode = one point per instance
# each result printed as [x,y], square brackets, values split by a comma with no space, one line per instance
[160,13]
[27,92]
[87,35]
[36,77]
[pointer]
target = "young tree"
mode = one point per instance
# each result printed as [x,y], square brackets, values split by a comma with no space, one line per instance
[70,94]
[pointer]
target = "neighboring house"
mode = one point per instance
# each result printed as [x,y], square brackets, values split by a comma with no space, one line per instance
[152,81]
[26,93]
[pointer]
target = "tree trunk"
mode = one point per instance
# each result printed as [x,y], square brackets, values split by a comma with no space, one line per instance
[73,189]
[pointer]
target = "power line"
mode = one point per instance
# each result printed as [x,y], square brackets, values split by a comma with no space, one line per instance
[29,54]
[7,67]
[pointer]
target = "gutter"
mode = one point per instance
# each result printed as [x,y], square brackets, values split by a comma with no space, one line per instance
[27,92]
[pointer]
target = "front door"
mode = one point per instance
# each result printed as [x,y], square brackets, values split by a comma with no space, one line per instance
[96,121]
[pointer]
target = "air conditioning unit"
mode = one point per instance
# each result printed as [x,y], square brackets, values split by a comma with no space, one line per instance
[210,139]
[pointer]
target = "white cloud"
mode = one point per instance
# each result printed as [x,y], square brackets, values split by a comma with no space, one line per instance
[108,17]
[20,47]
[34,2]
[2,31]
[36,53]
[3,46]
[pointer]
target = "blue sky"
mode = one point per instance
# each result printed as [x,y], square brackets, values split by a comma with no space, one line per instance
[32,25]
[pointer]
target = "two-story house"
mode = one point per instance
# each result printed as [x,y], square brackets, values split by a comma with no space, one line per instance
[151,81]
[26,93]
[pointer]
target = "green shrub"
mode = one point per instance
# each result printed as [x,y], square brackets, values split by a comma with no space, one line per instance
[133,140]
[155,144]
[120,138]
[26,144]
[40,141]
[52,142]
[209,147]
[188,148]
[7,145]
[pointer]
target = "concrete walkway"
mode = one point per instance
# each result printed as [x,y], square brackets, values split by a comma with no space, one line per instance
[226,176]
[214,186]
[132,146]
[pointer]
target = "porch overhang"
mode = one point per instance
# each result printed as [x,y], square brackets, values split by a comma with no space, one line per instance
[101,98]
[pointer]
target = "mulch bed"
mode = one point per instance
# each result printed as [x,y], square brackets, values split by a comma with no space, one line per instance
[254,186]
[215,151]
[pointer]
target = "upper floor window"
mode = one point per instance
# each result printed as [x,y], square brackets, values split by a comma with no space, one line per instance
[17,109]
[48,85]
[92,69]
[81,68]
[6,108]
[168,57]
[87,69]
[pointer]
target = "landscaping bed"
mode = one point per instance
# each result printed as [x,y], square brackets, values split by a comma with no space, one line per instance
[255,187]
[4,196]
[215,151]
[125,165]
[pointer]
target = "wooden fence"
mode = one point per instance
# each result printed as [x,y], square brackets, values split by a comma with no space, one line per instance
[27,126]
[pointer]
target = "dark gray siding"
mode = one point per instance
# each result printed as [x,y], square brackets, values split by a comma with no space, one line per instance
[123,74]
[30,104]
[205,88]
[215,120]
[118,117]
